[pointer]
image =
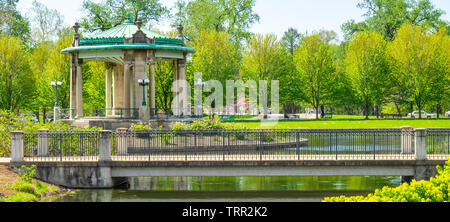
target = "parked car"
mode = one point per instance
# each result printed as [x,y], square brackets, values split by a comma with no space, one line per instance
[32,117]
[447,114]
[415,114]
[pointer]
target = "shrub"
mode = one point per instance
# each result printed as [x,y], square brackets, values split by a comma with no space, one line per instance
[19,197]
[140,127]
[10,122]
[435,190]
[178,126]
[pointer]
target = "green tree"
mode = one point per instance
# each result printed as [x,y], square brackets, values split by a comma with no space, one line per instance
[316,69]
[419,63]
[387,16]
[234,17]
[16,82]
[45,22]
[56,68]
[367,68]
[12,22]
[216,57]
[291,40]
[94,85]
[265,59]
[110,13]
[164,80]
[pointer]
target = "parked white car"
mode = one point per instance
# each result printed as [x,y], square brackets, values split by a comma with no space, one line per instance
[447,114]
[415,114]
[32,117]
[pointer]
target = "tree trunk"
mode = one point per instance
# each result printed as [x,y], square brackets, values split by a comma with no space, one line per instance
[438,110]
[44,115]
[399,112]
[377,110]
[420,110]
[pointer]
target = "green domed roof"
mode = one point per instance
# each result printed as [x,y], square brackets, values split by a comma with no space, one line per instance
[126,30]
[114,38]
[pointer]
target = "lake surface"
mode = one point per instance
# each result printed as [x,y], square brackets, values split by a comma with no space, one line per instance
[234,189]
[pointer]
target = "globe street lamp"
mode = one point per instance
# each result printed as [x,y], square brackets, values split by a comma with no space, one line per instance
[143,83]
[56,85]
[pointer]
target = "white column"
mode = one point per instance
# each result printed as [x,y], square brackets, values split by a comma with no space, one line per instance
[122,147]
[17,146]
[79,91]
[105,145]
[42,143]
[126,88]
[184,104]
[108,90]
[73,86]
[421,144]
[175,102]
[406,139]
[152,101]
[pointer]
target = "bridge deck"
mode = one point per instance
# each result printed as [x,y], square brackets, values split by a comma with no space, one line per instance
[215,158]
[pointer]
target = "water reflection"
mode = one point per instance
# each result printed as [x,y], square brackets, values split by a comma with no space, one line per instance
[234,189]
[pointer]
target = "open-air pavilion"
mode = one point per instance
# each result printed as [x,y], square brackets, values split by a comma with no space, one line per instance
[130,53]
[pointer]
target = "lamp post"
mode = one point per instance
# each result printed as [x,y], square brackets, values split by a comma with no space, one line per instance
[56,85]
[143,83]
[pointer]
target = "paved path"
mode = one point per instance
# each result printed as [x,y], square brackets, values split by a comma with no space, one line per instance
[5,160]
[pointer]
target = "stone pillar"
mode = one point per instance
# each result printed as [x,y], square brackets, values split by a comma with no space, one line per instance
[126,89]
[79,90]
[140,72]
[105,146]
[152,63]
[420,144]
[17,146]
[118,89]
[73,84]
[406,140]
[42,143]
[175,102]
[122,147]
[183,103]
[108,90]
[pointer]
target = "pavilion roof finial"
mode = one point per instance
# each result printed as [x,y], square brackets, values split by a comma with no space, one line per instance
[180,31]
[139,23]
[129,17]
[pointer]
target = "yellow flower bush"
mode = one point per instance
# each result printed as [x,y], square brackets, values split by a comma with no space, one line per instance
[435,190]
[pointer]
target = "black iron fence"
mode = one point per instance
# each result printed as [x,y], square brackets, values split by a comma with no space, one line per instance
[237,145]
[62,146]
[263,145]
[438,143]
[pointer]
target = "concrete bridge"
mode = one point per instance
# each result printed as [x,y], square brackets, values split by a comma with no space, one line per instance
[109,171]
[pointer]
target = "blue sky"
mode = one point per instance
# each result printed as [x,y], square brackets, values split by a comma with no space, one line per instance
[276,16]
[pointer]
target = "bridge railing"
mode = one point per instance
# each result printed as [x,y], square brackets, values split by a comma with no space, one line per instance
[308,144]
[438,143]
[232,145]
[61,146]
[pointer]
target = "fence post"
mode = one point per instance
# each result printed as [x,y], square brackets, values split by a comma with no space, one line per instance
[17,146]
[42,142]
[122,141]
[105,146]
[406,141]
[421,144]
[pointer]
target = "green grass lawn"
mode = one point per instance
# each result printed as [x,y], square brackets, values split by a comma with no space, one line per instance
[347,123]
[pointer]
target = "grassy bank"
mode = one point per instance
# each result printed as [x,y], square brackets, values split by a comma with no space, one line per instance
[22,188]
[346,124]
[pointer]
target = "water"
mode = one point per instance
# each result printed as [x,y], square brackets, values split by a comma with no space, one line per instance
[234,189]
